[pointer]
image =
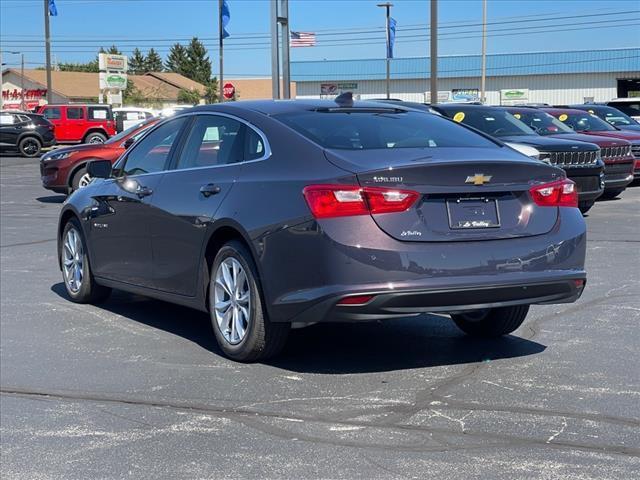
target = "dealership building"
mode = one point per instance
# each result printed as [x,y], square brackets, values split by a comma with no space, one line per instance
[559,77]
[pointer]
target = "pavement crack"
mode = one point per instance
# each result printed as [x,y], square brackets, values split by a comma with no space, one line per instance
[559,431]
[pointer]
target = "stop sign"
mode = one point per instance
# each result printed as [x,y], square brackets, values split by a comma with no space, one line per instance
[228,90]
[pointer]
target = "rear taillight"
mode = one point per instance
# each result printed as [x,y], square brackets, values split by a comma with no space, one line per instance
[561,193]
[328,201]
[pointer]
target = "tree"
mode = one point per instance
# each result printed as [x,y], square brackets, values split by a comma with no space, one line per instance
[79,67]
[137,64]
[211,93]
[153,61]
[191,97]
[132,96]
[177,59]
[198,67]
[113,50]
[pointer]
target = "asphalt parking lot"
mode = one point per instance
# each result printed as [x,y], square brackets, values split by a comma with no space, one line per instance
[136,388]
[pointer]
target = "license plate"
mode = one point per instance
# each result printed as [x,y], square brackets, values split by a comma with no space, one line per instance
[467,213]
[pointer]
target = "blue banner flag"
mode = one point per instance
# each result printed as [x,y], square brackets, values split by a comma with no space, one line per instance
[225,16]
[53,10]
[392,37]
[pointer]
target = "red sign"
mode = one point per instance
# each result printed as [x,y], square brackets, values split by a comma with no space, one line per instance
[16,94]
[228,91]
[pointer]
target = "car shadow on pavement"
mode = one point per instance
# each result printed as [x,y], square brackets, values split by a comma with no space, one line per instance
[51,199]
[337,348]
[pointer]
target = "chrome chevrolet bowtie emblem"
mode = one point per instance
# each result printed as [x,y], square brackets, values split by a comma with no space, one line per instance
[478,179]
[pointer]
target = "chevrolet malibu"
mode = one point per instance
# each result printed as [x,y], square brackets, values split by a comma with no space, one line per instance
[266,214]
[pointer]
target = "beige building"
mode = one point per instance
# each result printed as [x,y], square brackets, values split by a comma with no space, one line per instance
[159,89]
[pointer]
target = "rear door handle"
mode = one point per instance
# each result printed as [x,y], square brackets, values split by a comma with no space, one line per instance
[209,189]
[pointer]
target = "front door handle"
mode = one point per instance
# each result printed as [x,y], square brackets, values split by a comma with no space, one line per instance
[209,189]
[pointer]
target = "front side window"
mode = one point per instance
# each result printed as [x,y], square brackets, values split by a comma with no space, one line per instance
[52,113]
[630,108]
[6,119]
[213,140]
[152,153]
[370,129]
[75,113]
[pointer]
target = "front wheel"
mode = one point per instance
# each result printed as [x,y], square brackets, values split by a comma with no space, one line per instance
[76,271]
[613,193]
[491,322]
[239,319]
[585,206]
[80,179]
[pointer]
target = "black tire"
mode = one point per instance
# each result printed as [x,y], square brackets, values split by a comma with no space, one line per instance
[89,291]
[262,339]
[95,137]
[613,193]
[585,206]
[491,322]
[29,147]
[77,177]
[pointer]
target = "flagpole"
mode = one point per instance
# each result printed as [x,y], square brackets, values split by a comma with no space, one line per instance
[388,6]
[47,41]
[221,54]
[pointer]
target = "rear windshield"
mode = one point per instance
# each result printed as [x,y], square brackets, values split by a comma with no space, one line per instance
[380,129]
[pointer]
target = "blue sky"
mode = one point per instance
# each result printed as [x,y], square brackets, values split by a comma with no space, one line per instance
[83,25]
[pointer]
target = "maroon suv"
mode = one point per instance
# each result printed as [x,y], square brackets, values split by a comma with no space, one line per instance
[64,170]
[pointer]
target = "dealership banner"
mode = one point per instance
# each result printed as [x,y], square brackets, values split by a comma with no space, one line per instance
[337,88]
[514,96]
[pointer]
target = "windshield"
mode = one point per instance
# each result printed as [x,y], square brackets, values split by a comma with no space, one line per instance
[585,122]
[125,133]
[615,117]
[630,108]
[369,129]
[541,122]
[497,123]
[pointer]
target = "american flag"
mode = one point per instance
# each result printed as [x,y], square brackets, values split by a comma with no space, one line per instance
[303,39]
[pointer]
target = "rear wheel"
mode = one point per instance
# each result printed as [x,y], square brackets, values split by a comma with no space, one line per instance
[76,271]
[239,318]
[585,206]
[29,147]
[613,193]
[80,179]
[491,322]
[95,137]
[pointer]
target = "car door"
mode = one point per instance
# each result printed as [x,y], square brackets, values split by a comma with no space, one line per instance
[75,124]
[54,115]
[119,220]
[190,193]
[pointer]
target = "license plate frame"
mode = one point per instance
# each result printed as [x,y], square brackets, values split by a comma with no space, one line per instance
[484,213]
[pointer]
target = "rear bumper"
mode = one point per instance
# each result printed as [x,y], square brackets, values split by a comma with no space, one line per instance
[388,303]
[305,270]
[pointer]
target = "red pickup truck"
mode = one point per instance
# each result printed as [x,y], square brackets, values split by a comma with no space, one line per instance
[80,123]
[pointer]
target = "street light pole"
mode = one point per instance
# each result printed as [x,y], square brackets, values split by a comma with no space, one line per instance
[47,42]
[434,52]
[484,53]
[387,6]
[22,105]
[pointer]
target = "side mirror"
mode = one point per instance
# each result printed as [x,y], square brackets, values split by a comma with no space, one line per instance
[128,142]
[99,168]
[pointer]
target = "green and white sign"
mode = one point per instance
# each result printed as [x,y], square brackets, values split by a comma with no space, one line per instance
[113,80]
[514,96]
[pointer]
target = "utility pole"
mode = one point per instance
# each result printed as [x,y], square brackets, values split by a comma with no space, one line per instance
[483,80]
[283,19]
[221,54]
[22,104]
[387,6]
[434,52]
[47,42]
[275,52]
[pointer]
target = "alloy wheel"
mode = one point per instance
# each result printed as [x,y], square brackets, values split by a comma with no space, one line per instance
[84,180]
[30,147]
[232,300]
[72,260]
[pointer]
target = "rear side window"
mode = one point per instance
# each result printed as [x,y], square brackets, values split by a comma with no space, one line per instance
[213,140]
[151,154]
[254,145]
[99,113]
[365,129]
[52,113]
[75,113]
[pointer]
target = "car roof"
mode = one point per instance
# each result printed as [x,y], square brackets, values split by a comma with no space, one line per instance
[553,110]
[466,106]
[275,107]
[77,105]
